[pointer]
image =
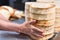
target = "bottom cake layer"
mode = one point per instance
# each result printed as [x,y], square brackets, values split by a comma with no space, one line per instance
[46,37]
[47,30]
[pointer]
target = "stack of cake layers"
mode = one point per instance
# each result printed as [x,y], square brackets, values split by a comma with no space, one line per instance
[44,14]
[57,21]
[27,13]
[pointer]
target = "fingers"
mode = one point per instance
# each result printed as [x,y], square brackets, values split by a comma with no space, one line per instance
[37,32]
[37,29]
[30,22]
[37,35]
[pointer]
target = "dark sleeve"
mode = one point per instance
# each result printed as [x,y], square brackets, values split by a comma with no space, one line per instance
[4,2]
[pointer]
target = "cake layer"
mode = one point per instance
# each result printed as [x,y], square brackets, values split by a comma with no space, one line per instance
[42,16]
[27,7]
[42,8]
[42,5]
[42,22]
[57,29]
[57,12]
[57,20]
[46,37]
[57,24]
[48,1]
[57,3]
[47,30]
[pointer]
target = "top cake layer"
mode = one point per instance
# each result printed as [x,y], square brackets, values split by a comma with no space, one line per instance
[42,5]
[42,8]
[45,0]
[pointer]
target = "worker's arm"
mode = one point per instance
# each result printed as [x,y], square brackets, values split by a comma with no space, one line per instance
[9,26]
[25,28]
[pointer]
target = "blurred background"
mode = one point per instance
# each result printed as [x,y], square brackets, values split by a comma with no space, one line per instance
[18,4]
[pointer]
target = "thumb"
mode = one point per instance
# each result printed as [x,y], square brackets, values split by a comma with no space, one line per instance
[31,22]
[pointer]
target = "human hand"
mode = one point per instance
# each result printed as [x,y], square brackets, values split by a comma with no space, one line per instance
[29,29]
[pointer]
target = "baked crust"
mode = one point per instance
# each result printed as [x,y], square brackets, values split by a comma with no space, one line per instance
[5,12]
[11,10]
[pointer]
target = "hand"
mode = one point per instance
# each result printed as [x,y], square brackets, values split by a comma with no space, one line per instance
[29,29]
